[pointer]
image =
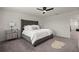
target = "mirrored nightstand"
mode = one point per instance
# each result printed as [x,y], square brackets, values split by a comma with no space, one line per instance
[11,34]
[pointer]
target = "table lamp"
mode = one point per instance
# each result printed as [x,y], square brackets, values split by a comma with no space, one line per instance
[11,25]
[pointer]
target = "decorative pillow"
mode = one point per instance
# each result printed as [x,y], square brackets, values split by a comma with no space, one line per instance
[28,27]
[35,27]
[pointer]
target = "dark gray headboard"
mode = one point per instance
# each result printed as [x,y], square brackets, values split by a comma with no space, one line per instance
[27,22]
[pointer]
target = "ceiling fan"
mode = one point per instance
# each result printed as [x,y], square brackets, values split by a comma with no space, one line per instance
[45,9]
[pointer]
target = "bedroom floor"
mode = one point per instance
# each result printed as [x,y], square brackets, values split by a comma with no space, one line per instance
[21,45]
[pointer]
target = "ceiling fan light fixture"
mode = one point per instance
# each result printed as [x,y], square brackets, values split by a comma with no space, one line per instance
[44,11]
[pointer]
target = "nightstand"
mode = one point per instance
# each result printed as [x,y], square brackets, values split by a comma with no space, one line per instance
[11,34]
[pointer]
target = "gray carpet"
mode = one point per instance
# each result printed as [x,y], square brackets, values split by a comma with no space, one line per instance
[21,45]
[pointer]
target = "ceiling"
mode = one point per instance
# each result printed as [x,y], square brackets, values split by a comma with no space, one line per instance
[33,11]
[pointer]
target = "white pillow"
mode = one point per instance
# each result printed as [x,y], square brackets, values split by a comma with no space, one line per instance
[35,27]
[28,27]
[31,27]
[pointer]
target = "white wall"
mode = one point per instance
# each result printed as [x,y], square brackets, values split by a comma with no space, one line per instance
[8,16]
[60,24]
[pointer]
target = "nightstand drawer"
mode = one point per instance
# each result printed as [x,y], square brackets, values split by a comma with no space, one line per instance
[9,36]
[14,35]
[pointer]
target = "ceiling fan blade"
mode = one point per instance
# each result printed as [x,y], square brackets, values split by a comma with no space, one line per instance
[49,9]
[39,9]
[44,8]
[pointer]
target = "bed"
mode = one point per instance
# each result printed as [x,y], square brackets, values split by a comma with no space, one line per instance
[28,38]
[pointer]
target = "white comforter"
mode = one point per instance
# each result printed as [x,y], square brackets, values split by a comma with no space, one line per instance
[37,34]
